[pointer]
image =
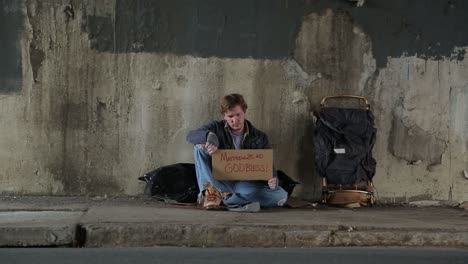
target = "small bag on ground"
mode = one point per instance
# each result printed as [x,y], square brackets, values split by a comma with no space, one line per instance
[177,182]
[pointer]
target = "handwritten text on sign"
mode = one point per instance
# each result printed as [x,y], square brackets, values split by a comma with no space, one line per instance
[243,164]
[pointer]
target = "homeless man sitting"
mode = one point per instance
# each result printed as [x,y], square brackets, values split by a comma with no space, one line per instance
[233,132]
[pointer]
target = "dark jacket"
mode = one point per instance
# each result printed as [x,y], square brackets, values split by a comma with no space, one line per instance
[253,139]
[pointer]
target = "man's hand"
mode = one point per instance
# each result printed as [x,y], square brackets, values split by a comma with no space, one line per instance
[211,148]
[272,183]
[212,143]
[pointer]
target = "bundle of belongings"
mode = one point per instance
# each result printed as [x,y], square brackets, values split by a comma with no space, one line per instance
[177,183]
[343,141]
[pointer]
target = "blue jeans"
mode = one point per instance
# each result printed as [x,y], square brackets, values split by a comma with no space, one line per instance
[243,192]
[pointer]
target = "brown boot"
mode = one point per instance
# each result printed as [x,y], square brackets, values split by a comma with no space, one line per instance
[212,198]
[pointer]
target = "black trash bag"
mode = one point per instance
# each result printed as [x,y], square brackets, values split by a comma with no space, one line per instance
[343,142]
[285,182]
[177,182]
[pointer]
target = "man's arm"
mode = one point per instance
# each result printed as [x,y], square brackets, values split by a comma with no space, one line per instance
[198,136]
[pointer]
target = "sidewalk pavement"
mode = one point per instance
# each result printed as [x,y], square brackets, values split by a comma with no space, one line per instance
[141,222]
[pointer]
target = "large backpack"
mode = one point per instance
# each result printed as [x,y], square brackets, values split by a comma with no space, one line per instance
[343,142]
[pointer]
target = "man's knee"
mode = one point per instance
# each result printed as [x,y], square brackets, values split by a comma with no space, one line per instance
[198,147]
[280,198]
[200,150]
[276,198]
[281,202]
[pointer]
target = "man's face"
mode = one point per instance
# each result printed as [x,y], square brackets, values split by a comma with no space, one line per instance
[235,117]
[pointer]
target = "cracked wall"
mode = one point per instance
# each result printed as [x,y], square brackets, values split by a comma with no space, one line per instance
[420,150]
[414,144]
[424,154]
[108,90]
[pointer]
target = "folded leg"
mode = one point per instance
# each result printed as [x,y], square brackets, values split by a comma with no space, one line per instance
[204,171]
[257,191]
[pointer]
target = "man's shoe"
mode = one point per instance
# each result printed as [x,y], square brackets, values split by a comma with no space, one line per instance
[248,208]
[212,198]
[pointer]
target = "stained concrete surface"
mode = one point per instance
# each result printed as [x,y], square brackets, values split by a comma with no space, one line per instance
[127,222]
[38,228]
[105,99]
[17,218]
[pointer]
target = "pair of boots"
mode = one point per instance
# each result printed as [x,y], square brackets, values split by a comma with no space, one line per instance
[213,199]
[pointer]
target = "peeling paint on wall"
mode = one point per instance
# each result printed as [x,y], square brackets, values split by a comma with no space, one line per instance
[268,29]
[413,144]
[109,90]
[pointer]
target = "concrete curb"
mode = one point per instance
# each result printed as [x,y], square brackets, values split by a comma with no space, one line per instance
[38,228]
[150,234]
[37,236]
[52,222]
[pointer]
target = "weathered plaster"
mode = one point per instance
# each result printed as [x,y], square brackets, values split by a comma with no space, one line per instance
[100,103]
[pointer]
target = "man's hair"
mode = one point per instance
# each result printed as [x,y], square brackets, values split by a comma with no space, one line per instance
[231,100]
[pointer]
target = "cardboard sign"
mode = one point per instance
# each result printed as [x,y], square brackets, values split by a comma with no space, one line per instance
[242,164]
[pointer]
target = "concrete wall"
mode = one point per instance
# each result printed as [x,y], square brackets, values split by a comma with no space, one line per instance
[95,93]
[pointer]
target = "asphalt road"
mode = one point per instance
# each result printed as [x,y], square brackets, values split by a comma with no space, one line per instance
[231,255]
